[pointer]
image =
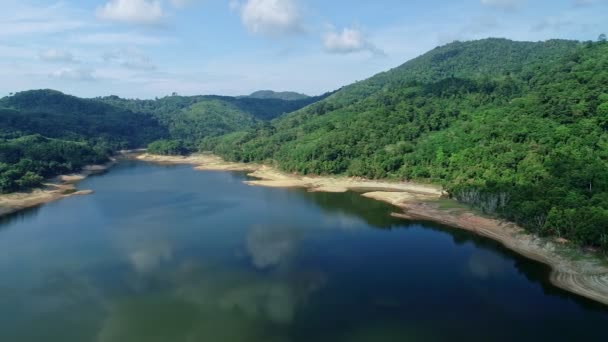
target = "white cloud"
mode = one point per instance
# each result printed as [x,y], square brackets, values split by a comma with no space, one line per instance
[552,25]
[55,55]
[269,17]
[73,74]
[349,40]
[129,58]
[125,38]
[502,4]
[25,19]
[132,11]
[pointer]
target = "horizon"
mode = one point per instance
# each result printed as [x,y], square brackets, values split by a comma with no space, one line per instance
[272,90]
[152,48]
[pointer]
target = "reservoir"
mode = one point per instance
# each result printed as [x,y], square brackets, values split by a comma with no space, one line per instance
[170,254]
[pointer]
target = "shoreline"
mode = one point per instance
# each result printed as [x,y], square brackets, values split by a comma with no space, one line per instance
[59,187]
[586,276]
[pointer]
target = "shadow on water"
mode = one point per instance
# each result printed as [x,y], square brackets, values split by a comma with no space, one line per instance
[374,213]
[378,215]
[18,216]
[534,271]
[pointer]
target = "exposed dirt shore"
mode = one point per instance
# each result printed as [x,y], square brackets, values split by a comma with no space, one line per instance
[271,177]
[52,190]
[586,274]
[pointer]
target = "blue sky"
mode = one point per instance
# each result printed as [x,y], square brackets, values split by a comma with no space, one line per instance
[149,48]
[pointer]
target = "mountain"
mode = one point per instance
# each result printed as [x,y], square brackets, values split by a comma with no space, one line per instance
[56,115]
[261,109]
[284,95]
[517,129]
[192,118]
[45,132]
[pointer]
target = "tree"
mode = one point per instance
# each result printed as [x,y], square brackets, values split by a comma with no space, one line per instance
[30,180]
[516,130]
[602,38]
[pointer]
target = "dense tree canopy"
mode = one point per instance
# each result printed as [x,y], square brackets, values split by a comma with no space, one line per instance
[516,129]
[27,160]
[45,132]
[56,115]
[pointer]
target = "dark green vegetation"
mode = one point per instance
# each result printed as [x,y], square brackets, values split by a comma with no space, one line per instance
[517,129]
[25,161]
[56,115]
[44,132]
[190,119]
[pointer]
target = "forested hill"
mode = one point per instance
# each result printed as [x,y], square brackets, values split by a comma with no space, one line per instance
[260,108]
[46,132]
[479,59]
[56,115]
[518,129]
[189,119]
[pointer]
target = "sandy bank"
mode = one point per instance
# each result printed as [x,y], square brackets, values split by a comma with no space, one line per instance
[57,188]
[200,161]
[271,177]
[585,275]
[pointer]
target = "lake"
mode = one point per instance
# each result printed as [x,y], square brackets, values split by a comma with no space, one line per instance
[169,254]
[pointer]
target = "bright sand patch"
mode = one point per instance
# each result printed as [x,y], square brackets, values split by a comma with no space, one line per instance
[271,177]
[586,275]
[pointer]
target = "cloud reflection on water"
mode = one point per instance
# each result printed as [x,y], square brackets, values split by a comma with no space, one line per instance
[150,256]
[206,301]
[485,264]
[270,245]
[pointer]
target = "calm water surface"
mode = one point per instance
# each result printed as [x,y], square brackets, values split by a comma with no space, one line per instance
[168,254]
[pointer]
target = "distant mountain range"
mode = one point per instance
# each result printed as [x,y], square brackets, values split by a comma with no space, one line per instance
[283,95]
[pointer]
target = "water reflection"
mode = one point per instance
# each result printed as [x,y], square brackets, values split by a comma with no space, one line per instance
[349,207]
[214,260]
[21,215]
[210,303]
[150,256]
[269,246]
[484,264]
[193,299]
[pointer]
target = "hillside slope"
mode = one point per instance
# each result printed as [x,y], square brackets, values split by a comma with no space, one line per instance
[56,115]
[37,127]
[516,129]
[260,108]
[189,119]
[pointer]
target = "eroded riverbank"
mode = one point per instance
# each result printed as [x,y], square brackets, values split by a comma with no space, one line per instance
[585,275]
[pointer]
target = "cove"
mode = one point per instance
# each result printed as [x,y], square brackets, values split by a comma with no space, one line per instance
[166,253]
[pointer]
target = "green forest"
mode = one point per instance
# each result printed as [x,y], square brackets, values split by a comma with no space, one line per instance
[518,130]
[44,133]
